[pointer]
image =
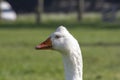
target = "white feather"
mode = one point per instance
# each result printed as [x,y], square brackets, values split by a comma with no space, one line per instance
[70,50]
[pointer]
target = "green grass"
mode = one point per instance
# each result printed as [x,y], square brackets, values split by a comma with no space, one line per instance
[20,61]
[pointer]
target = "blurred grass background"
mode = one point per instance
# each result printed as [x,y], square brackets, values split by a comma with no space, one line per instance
[100,45]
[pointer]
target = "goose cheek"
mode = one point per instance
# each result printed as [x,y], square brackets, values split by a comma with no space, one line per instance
[47,44]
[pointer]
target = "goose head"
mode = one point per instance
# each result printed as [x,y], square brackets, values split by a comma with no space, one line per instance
[61,40]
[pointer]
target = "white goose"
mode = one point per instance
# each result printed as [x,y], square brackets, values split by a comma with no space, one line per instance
[62,41]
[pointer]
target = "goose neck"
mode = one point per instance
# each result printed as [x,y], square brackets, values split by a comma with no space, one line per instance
[73,66]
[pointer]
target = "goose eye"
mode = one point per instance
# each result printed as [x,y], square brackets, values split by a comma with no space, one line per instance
[57,36]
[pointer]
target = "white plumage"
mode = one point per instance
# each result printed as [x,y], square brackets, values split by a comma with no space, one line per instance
[62,41]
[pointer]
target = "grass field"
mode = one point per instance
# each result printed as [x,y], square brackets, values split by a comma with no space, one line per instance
[100,45]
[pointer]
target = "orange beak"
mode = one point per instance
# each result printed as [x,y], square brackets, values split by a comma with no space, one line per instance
[47,44]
